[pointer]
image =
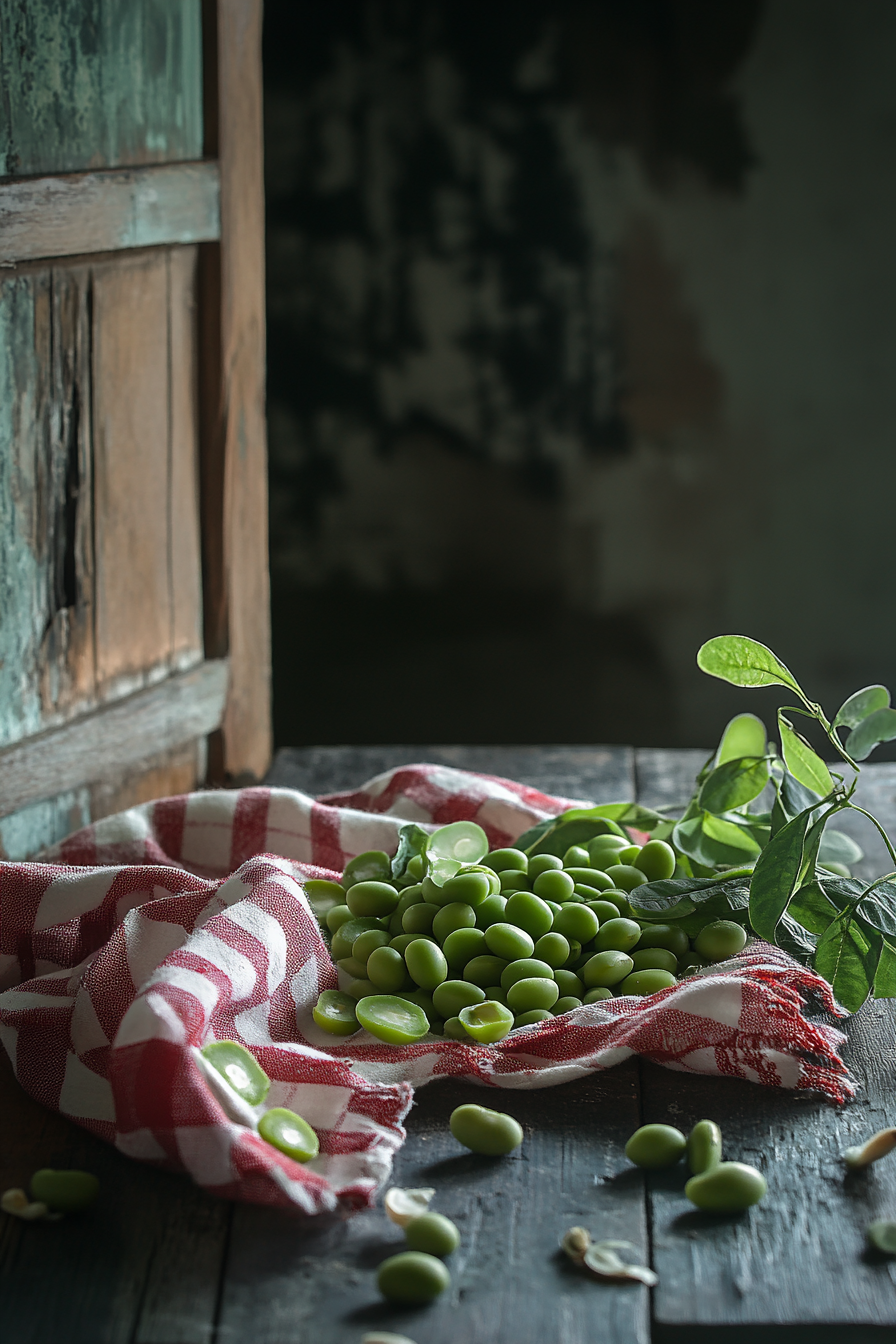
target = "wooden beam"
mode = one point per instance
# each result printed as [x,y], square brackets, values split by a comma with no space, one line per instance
[114,738]
[76,213]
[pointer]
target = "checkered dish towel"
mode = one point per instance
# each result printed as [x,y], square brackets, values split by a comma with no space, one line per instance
[143,937]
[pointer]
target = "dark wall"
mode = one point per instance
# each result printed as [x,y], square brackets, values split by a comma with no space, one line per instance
[555,296]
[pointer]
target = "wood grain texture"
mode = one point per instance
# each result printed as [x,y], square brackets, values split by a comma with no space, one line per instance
[67,215]
[242,444]
[184,547]
[115,739]
[98,83]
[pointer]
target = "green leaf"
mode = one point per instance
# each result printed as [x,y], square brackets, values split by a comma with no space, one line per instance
[581,824]
[795,797]
[744,736]
[838,847]
[744,662]
[848,960]
[737,841]
[793,938]
[885,975]
[776,876]
[878,727]
[534,833]
[803,763]
[878,909]
[411,841]
[733,784]
[860,705]
[677,897]
[813,908]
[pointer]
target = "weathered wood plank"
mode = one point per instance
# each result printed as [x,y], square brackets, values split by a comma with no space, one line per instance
[115,738]
[74,214]
[98,83]
[184,551]
[509,1280]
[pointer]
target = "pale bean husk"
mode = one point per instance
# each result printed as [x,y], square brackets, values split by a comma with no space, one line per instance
[881,1143]
[602,1259]
[385,1337]
[403,1205]
[16,1202]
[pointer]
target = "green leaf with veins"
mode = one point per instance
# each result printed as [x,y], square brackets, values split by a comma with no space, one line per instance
[848,957]
[838,847]
[734,784]
[803,763]
[744,736]
[744,662]
[885,975]
[813,908]
[878,727]
[860,705]
[777,876]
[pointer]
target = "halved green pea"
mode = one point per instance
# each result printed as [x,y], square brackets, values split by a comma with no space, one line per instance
[433,1233]
[493,1133]
[656,861]
[532,1016]
[552,948]
[509,942]
[625,877]
[728,1187]
[335,1012]
[374,865]
[485,970]
[654,959]
[528,911]
[576,856]
[487,1022]
[507,860]
[606,969]
[670,936]
[617,935]
[412,1276]
[524,969]
[462,946]
[569,983]
[397,1021]
[452,995]
[542,863]
[64,1191]
[242,1070]
[720,940]
[642,983]
[554,885]
[426,964]
[491,911]
[533,992]
[704,1147]
[452,917]
[462,840]
[566,1004]
[287,1131]
[577,921]
[386,969]
[656,1146]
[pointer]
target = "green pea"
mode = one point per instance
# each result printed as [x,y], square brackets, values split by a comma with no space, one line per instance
[543,863]
[410,896]
[629,854]
[455,1030]
[397,1021]
[452,995]
[386,969]
[603,859]
[496,993]
[591,879]
[367,942]
[242,1070]
[433,1233]
[289,1133]
[617,935]
[494,881]
[419,918]
[556,885]
[323,896]
[426,964]
[608,843]
[416,867]
[533,992]
[577,921]
[692,963]
[606,969]
[569,983]
[566,1004]
[524,969]
[625,877]
[422,998]
[603,909]
[412,1276]
[339,915]
[647,982]
[343,939]
[507,860]
[513,881]
[335,1012]
[361,988]
[484,970]
[452,917]
[403,940]
[552,948]
[621,901]
[670,936]
[357,970]
[432,892]
[532,1017]
[728,1187]
[720,940]
[656,861]
[468,888]
[599,992]
[575,952]
[704,1147]
[654,959]
[488,1021]
[395,924]
[462,946]
[655,1146]
[509,942]
[882,1236]
[576,856]
[372,866]
[485,1131]
[491,911]
[528,911]
[65,1191]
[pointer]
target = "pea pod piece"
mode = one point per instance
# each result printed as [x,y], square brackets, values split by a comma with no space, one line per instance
[704,1147]
[64,1191]
[288,1132]
[727,1188]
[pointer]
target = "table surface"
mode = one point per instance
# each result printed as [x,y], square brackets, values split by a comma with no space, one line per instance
[158,1261]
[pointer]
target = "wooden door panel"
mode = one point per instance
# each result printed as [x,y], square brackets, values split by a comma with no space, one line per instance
[185,542]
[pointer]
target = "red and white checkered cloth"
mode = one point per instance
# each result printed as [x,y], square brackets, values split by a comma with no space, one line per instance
[141,938]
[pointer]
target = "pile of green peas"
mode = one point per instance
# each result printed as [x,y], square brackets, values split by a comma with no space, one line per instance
[503,944]
[715,1186]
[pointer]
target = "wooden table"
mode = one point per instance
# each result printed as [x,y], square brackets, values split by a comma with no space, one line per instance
[158,1261]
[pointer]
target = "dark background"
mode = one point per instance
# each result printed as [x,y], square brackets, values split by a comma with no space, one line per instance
[580,346]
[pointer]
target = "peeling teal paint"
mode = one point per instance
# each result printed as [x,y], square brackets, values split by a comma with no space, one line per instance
[99,83]
[25,833]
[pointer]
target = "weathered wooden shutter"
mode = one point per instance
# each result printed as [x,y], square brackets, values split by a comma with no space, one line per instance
[134,637]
